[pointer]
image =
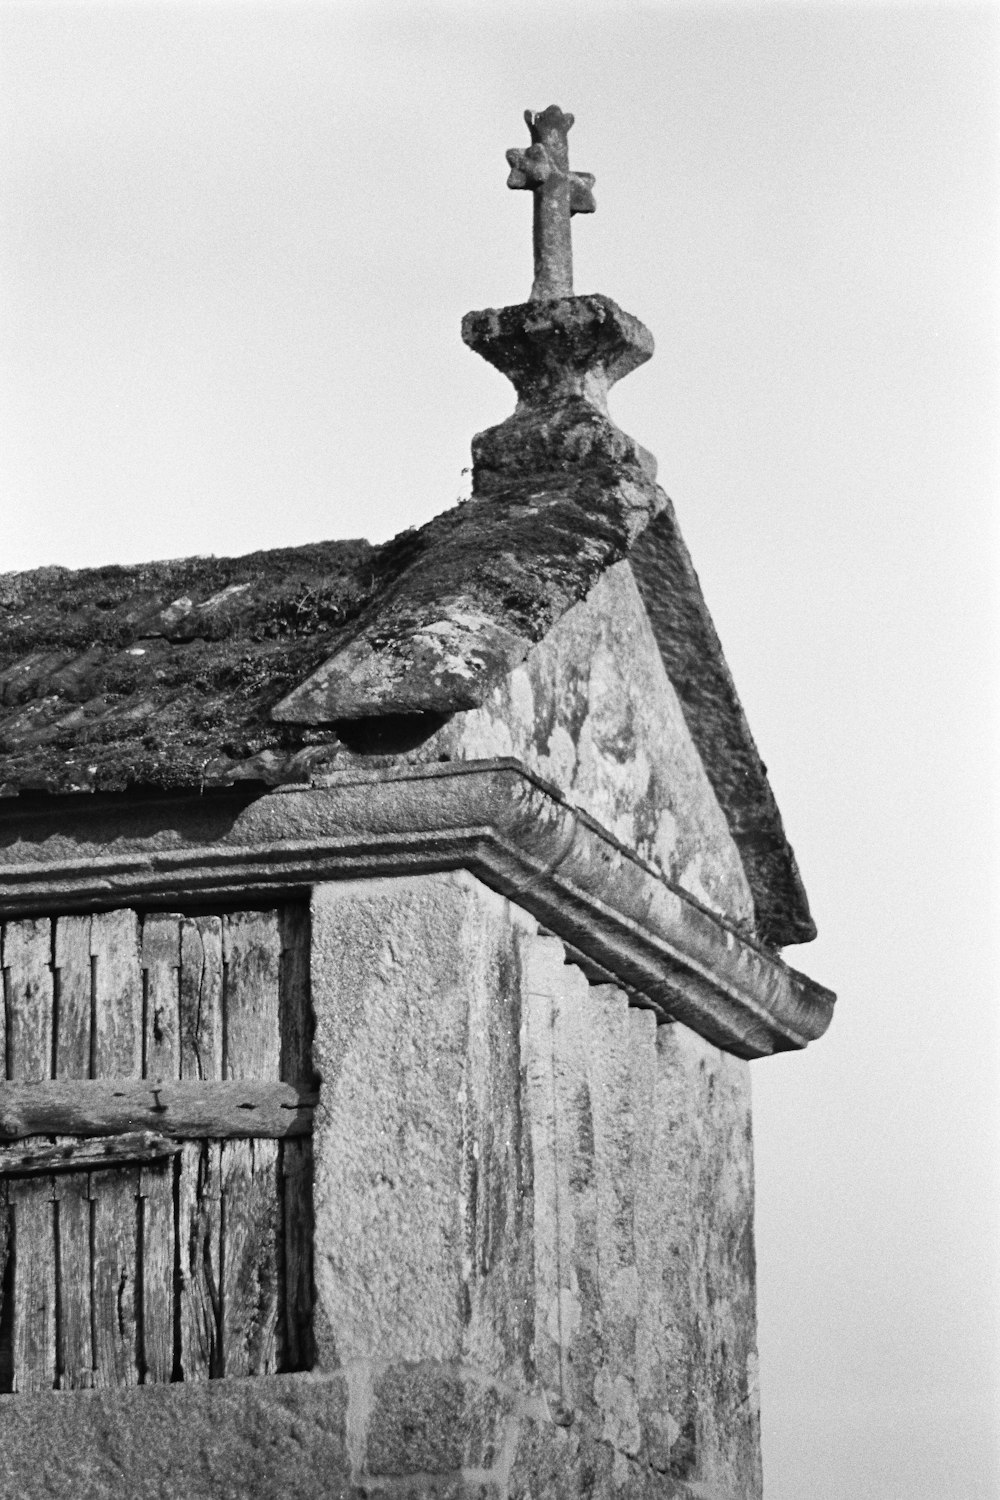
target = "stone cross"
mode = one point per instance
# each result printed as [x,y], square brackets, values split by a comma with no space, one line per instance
[544,168]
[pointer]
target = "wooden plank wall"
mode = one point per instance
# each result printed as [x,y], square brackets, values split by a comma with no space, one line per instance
[197,1266]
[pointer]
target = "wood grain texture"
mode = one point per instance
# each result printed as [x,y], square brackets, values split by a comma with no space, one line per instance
[195,1110]
[34,1285]
[6,1321]
[74,1345]
[117,979]
[83,1154]
[201,997]
[128,1038]
[199,1221]
[114,1276]
[72,1005]
[161,962]
[117,1052]
[27,959]
[156,1270]
[251,953]
[295,1157]
[296,1280]
[199,1232]
[250,1257]
[27,963]
[294,993]
[72,997]
[251,1208]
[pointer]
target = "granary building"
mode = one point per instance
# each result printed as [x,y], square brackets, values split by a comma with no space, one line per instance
[388,932]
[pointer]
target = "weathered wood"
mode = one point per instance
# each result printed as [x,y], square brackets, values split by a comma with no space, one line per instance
[250,1199]
[72,1006]
[6,1324]
[295,1157]
[161,962]
[199,1220]
[294,993]
[193,1268]
[251,952]
[74,1344]
[82,1154]
[27,963]
[156,1273]
[5,1001]
[296,1281]
[117,1052]
[34,1285]
[250,1259]
[114,1276]
[199,1232]
[27,959]
[201,997]
[72,997]
[117,979]
[190,1110]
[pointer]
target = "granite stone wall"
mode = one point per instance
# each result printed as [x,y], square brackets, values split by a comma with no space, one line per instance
[534,1249]
[533,1212]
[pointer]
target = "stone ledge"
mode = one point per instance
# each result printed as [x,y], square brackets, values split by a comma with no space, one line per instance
[493,818]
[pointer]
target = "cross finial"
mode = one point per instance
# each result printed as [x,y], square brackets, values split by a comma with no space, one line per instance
[559,193]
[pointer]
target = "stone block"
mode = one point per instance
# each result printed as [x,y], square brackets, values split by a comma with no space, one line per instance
[431,1419]
[269,1438]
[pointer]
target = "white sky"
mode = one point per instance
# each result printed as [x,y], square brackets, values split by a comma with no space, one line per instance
[237,244]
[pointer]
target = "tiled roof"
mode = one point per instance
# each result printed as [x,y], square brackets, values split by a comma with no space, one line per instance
[165,675]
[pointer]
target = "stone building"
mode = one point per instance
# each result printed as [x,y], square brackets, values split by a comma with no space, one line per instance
[387,932]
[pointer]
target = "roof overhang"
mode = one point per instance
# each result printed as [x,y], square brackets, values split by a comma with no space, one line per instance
[621,920]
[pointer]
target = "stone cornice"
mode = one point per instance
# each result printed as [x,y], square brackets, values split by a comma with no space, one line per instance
[492,818]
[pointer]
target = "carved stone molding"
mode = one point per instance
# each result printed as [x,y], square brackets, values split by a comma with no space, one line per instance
[618,915]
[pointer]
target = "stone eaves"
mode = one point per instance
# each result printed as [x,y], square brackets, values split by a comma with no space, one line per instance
[623,922]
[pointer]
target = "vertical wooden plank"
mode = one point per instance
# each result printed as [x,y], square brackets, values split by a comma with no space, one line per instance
[27,965]
[6,1285]
[4,1004]
[6,1228]
[161,961]
[74,1327]
[161,1047]
[27,960]
[114,947]
[251,1227]
[114,1208]
[199,1233]
[295,1157]
[295,1009]
[72,1006]
[199,1213]
[34,1284]
[295,1350]
[156,1270]
[251,952]
[117,1053]
[201,997]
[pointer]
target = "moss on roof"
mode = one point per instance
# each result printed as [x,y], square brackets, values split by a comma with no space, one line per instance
[164,674]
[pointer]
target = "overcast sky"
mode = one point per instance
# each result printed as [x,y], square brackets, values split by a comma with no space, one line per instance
[237,244]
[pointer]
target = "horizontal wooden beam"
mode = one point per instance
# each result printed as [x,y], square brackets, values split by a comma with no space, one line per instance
[86,1155]
[189,1110]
